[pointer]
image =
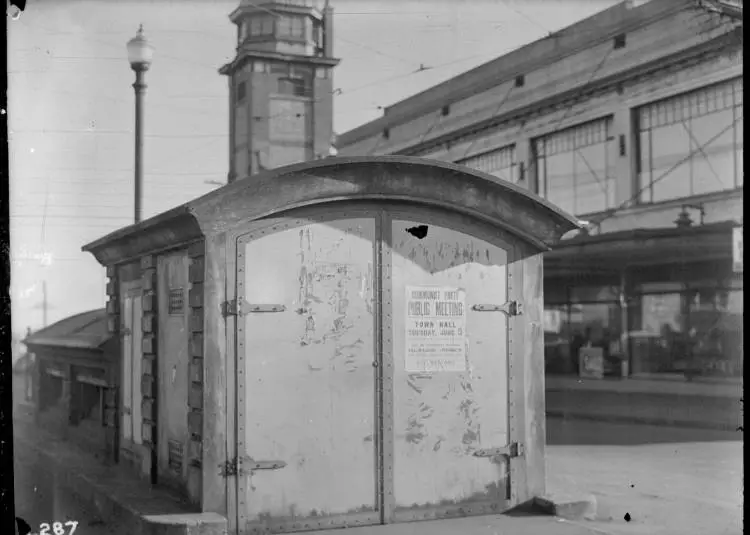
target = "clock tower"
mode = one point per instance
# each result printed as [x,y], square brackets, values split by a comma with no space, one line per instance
[280,85]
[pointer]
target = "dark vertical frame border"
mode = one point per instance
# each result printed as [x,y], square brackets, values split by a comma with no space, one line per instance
[385,312]
[149,367]
[227,252]
[243,496]
[7,504]
[381,374]
[111,396]
[196,276]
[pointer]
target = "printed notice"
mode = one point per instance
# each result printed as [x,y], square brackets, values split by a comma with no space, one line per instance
[435,329]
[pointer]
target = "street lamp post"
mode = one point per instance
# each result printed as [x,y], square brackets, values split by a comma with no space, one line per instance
[140,53]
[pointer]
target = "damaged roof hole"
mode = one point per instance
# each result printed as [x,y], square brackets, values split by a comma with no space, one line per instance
[418,232]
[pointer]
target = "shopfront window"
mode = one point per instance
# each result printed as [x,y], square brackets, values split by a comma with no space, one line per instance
[591,318]
[499,162]
[574,170]
[557,340]
[691,144]
[656,340]
[694,329]
[596,325]
[716,329]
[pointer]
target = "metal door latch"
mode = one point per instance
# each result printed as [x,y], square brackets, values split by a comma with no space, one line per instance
[511,451]
[511,308]
[241,308]
[245,465]
[253,465]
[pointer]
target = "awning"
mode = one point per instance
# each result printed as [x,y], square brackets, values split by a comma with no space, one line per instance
[611,252]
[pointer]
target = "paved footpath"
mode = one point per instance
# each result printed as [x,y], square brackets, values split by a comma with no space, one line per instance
[656,402]
[670,481]
[479,525]
[646,386]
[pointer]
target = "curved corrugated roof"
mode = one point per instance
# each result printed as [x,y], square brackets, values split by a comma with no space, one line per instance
[87,330]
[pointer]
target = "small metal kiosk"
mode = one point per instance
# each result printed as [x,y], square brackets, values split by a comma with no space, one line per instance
[344,342]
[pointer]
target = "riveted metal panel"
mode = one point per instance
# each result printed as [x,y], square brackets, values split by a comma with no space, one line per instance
[307,376]
[478,496]
[440,418]
[516,394]
[386,409]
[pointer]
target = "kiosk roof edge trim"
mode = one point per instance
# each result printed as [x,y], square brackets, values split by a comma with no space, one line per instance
[360,178]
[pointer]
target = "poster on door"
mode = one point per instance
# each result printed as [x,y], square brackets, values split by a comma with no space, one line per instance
[435,329]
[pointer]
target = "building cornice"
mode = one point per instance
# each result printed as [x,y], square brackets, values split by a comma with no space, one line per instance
[560,100]
[244,55]
[508,66]
[272,8]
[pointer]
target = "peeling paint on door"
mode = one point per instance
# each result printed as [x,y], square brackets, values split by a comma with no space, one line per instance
[310,382]
[442,418]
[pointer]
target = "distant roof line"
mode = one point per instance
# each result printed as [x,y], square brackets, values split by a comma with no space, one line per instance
[494,71]
[86,330]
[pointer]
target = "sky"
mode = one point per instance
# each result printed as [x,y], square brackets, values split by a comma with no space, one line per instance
[71,110]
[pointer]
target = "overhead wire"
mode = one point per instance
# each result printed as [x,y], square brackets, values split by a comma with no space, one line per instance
[494,114]
[375,50]
[122,100]
[699,148]
[435,122]
[377,83]
[564,116]
[48,30]
[70,216]
[503,101]
[708,161]
[338,91]
[375,147]
[121,170]
[525,16]
[95,131]
[423,135]
[626,204]
[335,91]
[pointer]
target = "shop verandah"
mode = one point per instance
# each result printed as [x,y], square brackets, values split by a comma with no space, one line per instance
[665,301]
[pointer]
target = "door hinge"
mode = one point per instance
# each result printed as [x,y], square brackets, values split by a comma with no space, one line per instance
[242,307]
[245,465]
[511,308]
[511,451]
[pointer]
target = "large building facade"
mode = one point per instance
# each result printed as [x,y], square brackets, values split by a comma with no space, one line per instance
[280,85]
[632,120]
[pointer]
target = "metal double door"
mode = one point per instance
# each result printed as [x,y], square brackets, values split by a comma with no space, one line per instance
[372,370]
